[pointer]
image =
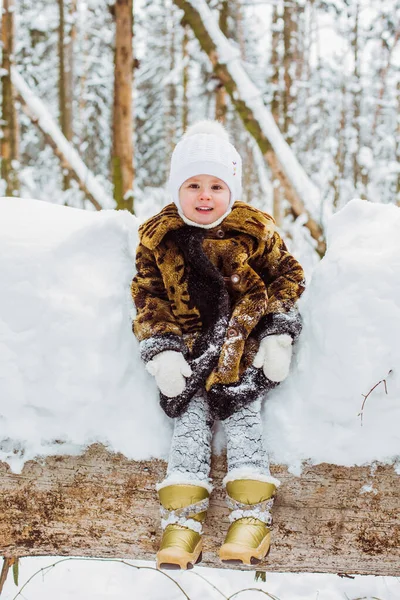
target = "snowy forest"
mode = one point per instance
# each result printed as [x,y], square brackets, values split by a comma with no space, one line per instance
[327,72]
[94,96]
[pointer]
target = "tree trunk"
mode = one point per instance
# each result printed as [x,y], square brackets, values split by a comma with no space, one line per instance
[275,62]
[278,192]
[221,105]
[356,103]
[122,151]
[331,519]
[398,146]
[340,156]
[82,74]
[305,76]
[290,32]
[256,119]
[185,77]
[65,53]
[171,113]
[9,125]
[69,70]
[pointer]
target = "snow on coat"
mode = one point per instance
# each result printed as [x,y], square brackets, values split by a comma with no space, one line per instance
[213,294]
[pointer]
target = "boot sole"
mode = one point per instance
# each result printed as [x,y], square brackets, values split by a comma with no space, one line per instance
[238,561]
[249,560]
[168,562]
[175,567]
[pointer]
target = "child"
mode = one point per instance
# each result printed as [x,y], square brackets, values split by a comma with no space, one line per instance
[215,294]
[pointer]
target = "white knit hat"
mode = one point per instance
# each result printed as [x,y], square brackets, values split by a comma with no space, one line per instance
[205,149]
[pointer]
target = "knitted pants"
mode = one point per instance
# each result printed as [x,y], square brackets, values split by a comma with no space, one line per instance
[190,454]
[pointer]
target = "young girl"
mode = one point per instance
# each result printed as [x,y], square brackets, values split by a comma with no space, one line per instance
[215,295]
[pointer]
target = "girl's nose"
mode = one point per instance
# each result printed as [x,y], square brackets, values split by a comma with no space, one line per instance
[205,195]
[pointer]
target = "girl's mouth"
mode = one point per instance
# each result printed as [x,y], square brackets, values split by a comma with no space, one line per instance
[204,208]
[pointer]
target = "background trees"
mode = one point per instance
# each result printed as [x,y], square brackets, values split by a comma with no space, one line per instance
[117,77]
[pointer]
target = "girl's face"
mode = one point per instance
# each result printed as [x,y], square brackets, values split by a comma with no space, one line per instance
[204,198]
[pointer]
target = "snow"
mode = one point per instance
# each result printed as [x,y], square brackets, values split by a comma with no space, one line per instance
[350,342]
[70,372]
[93,579]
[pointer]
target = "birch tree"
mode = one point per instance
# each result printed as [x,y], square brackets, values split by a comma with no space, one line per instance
[9,124]
[220,92]
[171,119]
[185,76]
[273,82]
[356,92]
[290,60]
[255,116]
[65,53]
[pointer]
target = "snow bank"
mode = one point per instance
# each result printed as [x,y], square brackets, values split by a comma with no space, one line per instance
[70,372]
[91,579]
[350,342]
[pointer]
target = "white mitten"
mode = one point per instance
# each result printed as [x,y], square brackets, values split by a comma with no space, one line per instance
[169,369]
[274,355]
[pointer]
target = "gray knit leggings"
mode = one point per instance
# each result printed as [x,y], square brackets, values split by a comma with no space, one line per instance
[190,454]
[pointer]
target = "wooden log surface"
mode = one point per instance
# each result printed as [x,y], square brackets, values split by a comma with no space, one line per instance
[331,519]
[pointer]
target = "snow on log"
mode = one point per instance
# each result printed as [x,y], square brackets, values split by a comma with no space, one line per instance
[70,374]
[69,157]
[101,504]
[302,194]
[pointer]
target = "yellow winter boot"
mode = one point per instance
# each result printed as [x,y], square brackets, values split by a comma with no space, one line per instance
[248,539]
[183,510]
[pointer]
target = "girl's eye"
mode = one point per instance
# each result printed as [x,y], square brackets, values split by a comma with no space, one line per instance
[217,187]
[193,185]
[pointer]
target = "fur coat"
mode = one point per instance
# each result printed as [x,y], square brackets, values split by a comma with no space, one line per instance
[213,294]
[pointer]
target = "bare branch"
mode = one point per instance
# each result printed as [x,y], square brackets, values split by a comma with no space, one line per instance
[360,414]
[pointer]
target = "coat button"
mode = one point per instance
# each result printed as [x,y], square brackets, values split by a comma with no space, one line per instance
[220,233]
[232,332]
[235,278]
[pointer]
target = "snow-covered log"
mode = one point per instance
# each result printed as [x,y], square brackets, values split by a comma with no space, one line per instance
[303,195]
[69,157]
[70,375]
[331,519]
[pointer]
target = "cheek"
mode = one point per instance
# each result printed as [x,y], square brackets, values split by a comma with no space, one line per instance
[225,200]
[185,201]
[182,198]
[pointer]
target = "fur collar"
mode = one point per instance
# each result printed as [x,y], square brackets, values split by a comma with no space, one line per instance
[243,218]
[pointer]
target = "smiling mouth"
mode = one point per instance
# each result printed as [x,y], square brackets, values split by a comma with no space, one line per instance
[204,208]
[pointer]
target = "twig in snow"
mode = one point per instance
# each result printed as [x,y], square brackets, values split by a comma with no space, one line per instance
[43,569]
[209,583]
[254,590]
[360,414]
[48,568]
[364,598]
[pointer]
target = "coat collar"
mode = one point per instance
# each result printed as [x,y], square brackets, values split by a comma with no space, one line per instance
[243,218]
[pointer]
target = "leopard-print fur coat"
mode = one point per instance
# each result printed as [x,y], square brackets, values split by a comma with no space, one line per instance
[213,294]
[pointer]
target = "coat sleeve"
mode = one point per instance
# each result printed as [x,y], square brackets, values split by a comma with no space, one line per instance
[155,325]
[284,279]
